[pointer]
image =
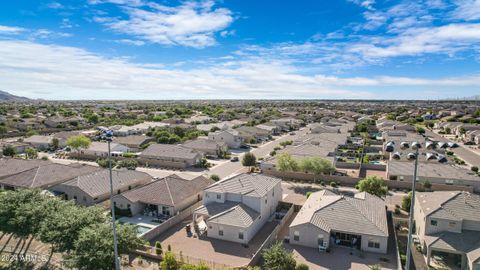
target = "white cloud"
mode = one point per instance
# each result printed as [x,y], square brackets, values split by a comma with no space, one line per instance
[368,4]
[11,30]
[130,42]
[71,73]
[467,10]
[55,5]
[191,24]
[447,39]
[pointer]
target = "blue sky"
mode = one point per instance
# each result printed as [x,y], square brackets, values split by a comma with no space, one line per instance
[146,49]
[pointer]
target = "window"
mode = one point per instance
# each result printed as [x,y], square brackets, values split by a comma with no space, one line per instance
[400,178]
[219,196]
[373,244]
[240,235]
[118,191]
[452,224]
[84,198]
[433,222]
[296,236]
[220,231]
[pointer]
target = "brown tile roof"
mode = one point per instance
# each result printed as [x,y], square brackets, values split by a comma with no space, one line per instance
[43,175]
[170,190]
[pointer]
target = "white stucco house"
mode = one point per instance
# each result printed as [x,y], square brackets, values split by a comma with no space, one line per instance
[230,137]
[236,208]
[447,224]
[327,220]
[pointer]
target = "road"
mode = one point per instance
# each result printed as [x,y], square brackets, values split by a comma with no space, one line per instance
[231,168]
[469,156]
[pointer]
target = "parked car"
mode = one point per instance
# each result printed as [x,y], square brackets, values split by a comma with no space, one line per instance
[292,133]
[470,143]
[234,159]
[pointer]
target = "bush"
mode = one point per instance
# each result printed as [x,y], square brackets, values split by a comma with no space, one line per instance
[406,201]
[158,248]
[215,177]
[427,184]
[104,163]
[397,211]
[130,164]
[474,168]
[301,266]
[333,184]
[44,158]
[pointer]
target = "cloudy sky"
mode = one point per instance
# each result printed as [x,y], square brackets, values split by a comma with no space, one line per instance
[249,49]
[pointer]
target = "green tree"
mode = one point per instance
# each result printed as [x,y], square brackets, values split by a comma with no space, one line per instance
[285,162]
[78,142]
[169,262]
[374,185]
[104,163]
[249,160]
[426,184]
[278,258]
[55,143]
[9,151]
[316,165]
[406,201]
[31,153]
[3,130]
[94,247]
[420,130]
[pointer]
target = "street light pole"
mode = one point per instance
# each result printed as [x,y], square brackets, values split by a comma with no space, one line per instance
[115,249]
[410,220]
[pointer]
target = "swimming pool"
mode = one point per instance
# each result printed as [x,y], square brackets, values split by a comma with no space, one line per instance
[142,229]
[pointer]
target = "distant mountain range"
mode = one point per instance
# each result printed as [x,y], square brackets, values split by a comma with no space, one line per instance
[5,96]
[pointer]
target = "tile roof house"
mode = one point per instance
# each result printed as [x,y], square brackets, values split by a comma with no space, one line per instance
[231,137]
[40,142]
[327,219]
[134,142]
[206,146]
[248,133]
[15,173]
[449,222]
[100,150]
[170,156]
[434,172]
[92,188]
[236,208]
[165,196]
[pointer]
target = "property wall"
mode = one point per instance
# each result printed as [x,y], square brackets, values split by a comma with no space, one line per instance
[152,162]
[155,232]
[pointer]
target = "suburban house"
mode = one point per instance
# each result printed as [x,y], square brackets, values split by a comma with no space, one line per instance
[435,173]
[253,133]
[19,147]
[272,129]
[64,135]
[61,122]
[448,226]
[19,173]
[322,128]
[166,196]
[230,137]
[207,147]
[134,142]
[92,188]
[286,124]
[39,142]
[328,219]
[170,156]
[100,150]
[236,208]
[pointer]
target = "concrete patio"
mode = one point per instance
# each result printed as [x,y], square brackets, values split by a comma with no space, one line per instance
[211,251]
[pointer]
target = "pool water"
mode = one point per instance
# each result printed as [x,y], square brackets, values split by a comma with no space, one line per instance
[142,229]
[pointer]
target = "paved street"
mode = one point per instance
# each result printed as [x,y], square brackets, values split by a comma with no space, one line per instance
[230,168]
[468,155]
